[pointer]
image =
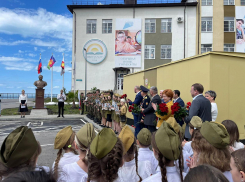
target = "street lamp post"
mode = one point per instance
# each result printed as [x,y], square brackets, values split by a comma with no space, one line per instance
[85,71]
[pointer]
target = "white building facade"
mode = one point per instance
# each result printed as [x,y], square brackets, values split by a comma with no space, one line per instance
[168,33]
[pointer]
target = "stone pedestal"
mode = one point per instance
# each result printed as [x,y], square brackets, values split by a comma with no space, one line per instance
[39,98]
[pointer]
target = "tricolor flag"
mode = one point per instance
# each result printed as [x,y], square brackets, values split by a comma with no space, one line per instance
[62,67]
[39,69]
[51,62]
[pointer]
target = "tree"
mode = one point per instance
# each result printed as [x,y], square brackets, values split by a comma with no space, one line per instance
[94,89]
[71,97]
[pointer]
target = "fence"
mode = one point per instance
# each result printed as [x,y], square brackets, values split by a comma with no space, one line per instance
[29,95]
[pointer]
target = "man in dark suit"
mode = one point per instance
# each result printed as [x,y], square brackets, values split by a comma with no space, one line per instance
[200,106]
[144,104]
[137,100]
[177,99]
[149,112]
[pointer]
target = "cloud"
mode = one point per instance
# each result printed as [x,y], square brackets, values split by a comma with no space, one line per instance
[35,48]
[58,68]
[32,55]
[2,85]
[9,87]
[20,51]
[18,42]
[36,42]
[25,66]
[15,59]
[56,87]
[36,24]
[31,87]
[18,87]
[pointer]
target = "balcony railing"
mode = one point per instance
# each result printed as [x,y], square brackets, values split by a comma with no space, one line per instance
[29,95]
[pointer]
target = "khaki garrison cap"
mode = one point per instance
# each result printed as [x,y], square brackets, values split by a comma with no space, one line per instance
[86,134]
[62,137]
[144,137]
[196,122]
[216,134]
[127,138]
[103,143]
[173,123]
[18,147]
[167,141]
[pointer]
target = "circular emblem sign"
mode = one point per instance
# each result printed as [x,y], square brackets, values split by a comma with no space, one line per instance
[95,51]
[146,81]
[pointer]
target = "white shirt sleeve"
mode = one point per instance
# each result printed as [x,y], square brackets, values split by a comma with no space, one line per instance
[26,99]
[58,96]
[19,99]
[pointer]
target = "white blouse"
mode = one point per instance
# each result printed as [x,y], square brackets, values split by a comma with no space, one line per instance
[214,111]
[238,145]
[22,97]
[173,175]
[145,154]
[127,173]
[228,175]
[67,158]
[73,173]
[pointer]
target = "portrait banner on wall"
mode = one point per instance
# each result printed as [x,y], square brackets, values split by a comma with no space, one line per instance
[128,43]
[240,29]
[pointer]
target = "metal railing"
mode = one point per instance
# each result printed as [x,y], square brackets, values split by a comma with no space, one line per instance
[29,95]
[107,2]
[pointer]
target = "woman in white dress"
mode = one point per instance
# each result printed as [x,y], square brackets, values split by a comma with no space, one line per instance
[105,157]
[211,96]
[23,103]
[233,131]
[77,171]
[64,141]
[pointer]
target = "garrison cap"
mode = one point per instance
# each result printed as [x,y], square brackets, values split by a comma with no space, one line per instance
[127,138]
[86,134]
[143,89]
[18,147]
[103,143]
[62,137]
[216,134]
[144,137]
[196,122]
[173,123]
[168,141]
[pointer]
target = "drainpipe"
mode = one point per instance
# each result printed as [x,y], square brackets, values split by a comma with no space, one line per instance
[184,28]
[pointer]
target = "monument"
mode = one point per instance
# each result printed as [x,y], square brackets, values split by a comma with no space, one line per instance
[40,92]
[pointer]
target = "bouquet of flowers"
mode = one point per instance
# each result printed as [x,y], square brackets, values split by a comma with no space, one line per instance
[180,112]
[124,96]
[134,108]
[162,109]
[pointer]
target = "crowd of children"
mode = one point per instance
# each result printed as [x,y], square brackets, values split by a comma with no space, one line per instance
[213,154]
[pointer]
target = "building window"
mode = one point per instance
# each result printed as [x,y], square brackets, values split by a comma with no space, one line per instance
[91,26]
[149,52]
[120,81]
[207,2]
[229,2]
[106,26]
[207,24]
[229,24]
[242,2]
[150,26]
[166,51]
[166,25]
[206,48]
[229,47]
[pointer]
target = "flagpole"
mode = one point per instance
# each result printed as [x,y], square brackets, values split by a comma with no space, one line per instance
[64,70]
[52,84]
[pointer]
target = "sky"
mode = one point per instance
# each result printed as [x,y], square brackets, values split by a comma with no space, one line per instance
[28,28]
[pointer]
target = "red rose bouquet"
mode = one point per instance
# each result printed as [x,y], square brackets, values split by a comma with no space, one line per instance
[124,96]
[130,108]
[134,108]
[188,105]
[162,109]
[178,111]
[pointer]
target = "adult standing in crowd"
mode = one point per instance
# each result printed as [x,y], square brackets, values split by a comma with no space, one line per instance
[61,99]
[200,107]
[149,112]
[181,103]
[137,101]
[82,103]
[211,95]
[161,95]
[23,104]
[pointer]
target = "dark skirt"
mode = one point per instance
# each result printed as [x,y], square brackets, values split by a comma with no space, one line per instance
[23,109]
[123,118]
[109,118]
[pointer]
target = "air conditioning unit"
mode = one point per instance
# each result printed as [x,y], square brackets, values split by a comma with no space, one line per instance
[180,19]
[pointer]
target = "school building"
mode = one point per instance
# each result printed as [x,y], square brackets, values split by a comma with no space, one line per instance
[160,32]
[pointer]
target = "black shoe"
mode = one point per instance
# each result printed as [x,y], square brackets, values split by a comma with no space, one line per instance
[23,116]
[58,116]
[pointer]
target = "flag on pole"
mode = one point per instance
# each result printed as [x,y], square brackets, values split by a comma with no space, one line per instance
[51,62]
[39,69]
[62,67]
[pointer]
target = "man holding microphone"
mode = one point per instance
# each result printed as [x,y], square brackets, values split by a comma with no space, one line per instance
[61,98]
